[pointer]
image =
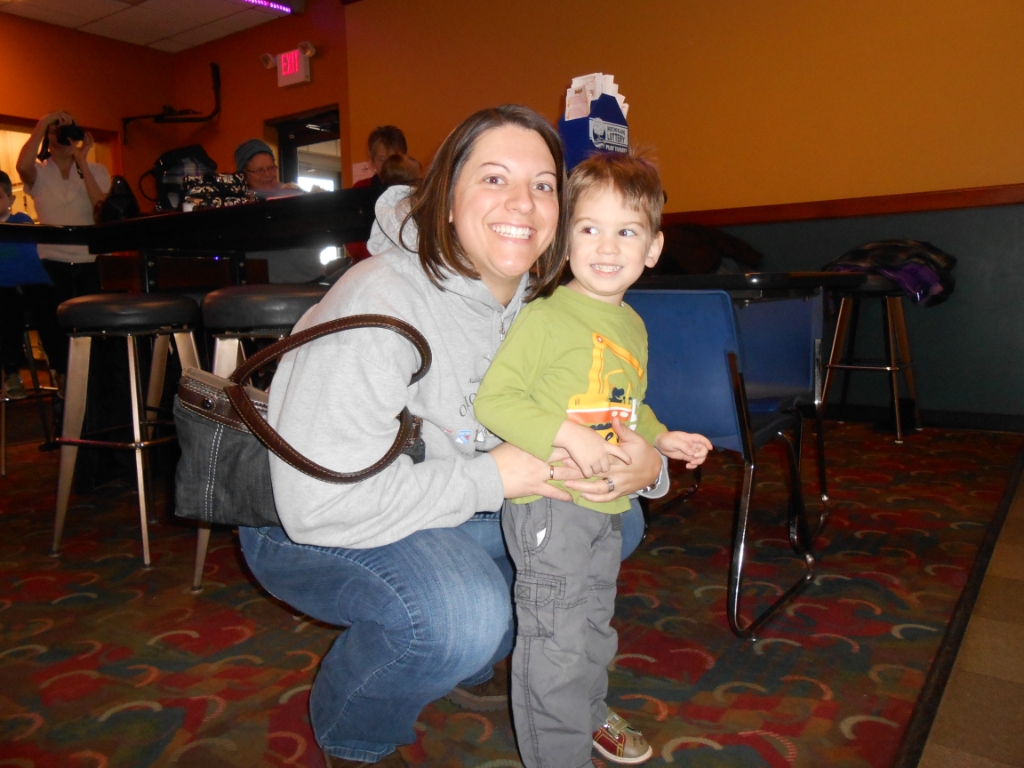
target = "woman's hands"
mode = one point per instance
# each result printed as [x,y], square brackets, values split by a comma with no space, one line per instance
[643,470]
[59,117]
[522,474]
[81,151]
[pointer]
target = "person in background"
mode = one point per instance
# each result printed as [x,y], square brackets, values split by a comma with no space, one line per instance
[66,189]
[255,161]
[25,287]
[384,142]
[400,169]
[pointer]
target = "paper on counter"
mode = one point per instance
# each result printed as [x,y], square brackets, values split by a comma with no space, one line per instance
[586,88]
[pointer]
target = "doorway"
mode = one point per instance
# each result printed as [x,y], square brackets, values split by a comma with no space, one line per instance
[309,148]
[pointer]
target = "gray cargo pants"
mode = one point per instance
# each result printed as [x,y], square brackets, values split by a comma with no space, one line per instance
[567,561]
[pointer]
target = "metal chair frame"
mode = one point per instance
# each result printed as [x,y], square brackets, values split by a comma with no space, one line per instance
[747,435]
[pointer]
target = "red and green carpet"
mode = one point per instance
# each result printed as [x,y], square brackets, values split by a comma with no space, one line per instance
[104,664]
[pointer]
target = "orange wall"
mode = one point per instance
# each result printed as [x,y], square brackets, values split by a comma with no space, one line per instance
[250,94]
[99,81]
[745,102]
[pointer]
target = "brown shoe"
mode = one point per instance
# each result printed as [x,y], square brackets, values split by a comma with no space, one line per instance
[394,760]
[619,742]
[488,696]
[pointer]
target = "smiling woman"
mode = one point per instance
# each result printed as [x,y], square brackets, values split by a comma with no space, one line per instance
[505,206]
[411,560]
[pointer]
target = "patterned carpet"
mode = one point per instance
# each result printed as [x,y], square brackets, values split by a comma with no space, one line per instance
[104,663]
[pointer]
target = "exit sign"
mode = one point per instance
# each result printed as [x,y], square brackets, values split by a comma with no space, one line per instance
[292,68]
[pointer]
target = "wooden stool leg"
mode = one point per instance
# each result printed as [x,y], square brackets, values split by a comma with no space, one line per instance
[202,544]
[157,371]
[893,362]
[140,466]
[227,355]
[838,343]
[899,322]
[76,388]
[188,355]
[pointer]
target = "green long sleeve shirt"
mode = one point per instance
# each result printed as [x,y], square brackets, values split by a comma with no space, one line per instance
[568,356]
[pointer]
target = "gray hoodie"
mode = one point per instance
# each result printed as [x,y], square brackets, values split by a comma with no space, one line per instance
[336,399]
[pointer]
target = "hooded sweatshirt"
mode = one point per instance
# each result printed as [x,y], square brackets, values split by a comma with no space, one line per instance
[336,400]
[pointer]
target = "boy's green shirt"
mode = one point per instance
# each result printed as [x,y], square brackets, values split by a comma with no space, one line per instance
[568,356]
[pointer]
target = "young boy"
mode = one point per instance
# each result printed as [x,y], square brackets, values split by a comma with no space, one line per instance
[24,285]
[571,366]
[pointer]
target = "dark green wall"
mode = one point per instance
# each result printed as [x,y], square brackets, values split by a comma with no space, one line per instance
[969,351]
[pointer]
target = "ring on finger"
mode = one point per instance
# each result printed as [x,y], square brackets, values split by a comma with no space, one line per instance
[611,484]
[551,474]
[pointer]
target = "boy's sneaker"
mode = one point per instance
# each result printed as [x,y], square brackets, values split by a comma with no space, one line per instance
[619,742]
[15,389]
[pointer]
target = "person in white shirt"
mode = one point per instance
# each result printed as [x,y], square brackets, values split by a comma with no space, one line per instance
[66,190]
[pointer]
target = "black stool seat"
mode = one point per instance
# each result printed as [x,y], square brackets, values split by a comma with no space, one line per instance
[127,313]
[260,306]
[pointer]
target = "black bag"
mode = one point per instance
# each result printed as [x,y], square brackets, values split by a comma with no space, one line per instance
[120,202]
[169,170]
[223,475]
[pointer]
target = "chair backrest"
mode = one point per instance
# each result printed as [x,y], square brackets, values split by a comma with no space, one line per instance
[778,339]
[690,335]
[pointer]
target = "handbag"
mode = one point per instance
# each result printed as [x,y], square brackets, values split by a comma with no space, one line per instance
[223,475]
[120,202]
[169,170]
[215,190]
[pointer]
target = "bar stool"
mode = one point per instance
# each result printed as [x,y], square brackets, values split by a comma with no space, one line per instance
[248,312]
[897,344]
[161,316]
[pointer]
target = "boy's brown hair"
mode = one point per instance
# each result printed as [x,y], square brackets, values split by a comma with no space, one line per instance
[631,174]
[5,184]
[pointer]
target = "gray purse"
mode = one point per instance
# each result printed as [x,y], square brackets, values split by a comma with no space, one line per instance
[223,475]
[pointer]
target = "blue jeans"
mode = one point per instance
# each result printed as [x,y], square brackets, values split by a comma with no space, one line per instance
[424,614]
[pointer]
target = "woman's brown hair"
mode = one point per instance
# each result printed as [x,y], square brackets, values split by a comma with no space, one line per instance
[439,248]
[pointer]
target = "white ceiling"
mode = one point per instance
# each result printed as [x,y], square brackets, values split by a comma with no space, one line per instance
[167,25]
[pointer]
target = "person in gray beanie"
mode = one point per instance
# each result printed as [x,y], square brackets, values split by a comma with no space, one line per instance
[254,159]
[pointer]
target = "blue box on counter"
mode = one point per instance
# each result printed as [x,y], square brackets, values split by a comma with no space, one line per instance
[603,130]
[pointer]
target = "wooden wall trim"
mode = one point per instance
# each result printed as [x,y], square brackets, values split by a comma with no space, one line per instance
[976,197]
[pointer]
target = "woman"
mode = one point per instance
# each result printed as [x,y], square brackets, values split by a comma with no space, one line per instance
[66,189]
[400,558]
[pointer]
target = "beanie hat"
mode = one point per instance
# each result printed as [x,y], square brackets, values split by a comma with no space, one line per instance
[249,149]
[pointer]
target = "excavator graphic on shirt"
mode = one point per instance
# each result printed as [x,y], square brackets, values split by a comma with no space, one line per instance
[602,401]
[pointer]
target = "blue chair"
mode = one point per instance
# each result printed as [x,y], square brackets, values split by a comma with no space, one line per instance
[781,343]
[697,385]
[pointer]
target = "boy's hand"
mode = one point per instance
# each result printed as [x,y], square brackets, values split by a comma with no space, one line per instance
[588,449]
[683,446]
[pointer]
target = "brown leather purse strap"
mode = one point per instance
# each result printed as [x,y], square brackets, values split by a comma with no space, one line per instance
[269,437]
[257,361]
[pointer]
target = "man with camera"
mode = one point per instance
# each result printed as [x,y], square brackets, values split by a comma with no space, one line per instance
[66,189]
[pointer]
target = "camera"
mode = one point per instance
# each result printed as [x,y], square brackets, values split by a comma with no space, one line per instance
[68,134]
